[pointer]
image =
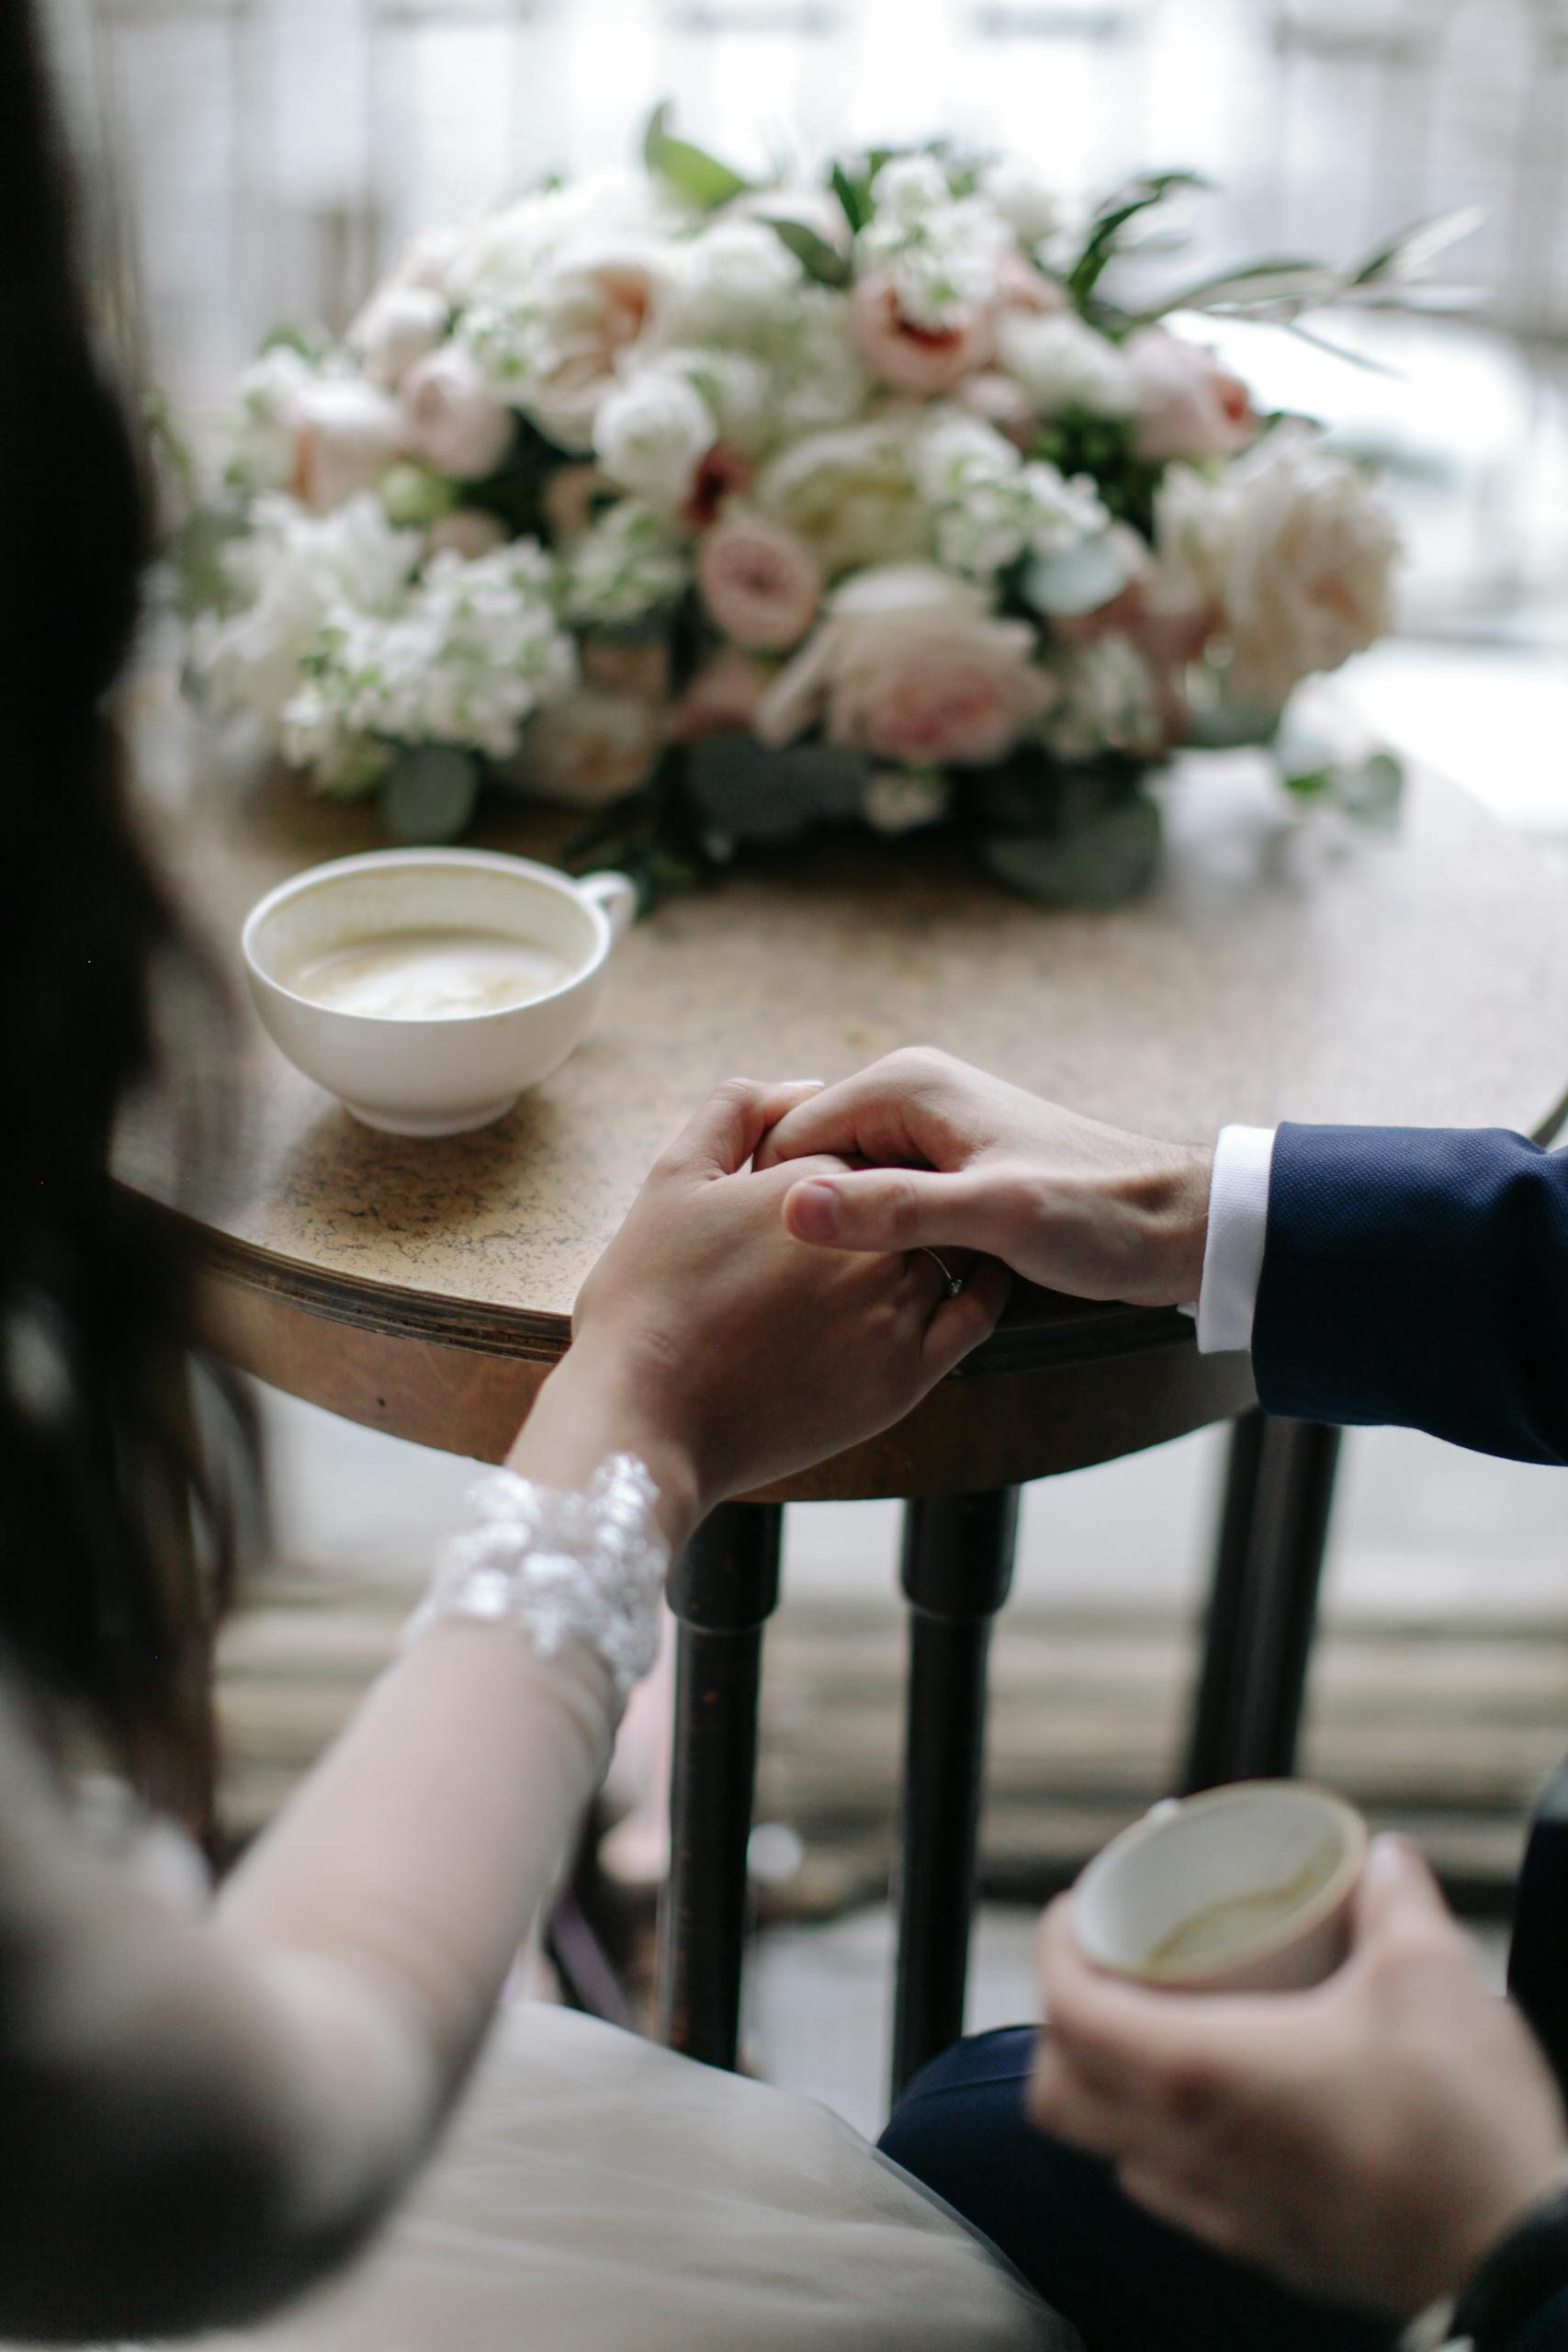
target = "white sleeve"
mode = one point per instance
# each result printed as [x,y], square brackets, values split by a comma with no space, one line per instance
[1233,1254]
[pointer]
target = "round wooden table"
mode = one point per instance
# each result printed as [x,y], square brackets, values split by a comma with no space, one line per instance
[1279,969]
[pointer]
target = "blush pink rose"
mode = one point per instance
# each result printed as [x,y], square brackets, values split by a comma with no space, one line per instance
[911,666]
[1188,406]
[637,668]
[346,438]
[1021,287]
[465,532]
[449,418]
[590,748]
[724,473]
[922,361]
[761,584]
[599,313]
[722,699]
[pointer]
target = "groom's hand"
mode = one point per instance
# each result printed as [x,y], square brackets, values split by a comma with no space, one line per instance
[944,1155]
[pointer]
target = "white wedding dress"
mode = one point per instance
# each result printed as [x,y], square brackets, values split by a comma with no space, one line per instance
[599,2193]
[593,2192]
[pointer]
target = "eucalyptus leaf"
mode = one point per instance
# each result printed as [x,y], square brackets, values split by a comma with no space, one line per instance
[1370,790]
[430,795]
[748,791]
[1258,285]
[1101,863]
[691,170]
[1413,247]
[1233,726]
[1112,218]
[819,260]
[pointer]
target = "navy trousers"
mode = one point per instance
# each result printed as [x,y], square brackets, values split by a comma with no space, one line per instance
[1127,2282]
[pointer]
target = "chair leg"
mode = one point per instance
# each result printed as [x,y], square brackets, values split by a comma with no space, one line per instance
[1263,1605]
[723,1590]
[957,1567]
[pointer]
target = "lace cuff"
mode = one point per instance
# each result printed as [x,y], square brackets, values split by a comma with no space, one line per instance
[585,1567]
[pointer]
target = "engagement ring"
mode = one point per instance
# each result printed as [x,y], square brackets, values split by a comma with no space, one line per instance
[954,1281]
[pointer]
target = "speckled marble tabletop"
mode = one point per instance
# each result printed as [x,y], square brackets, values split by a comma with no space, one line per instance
[1280,968]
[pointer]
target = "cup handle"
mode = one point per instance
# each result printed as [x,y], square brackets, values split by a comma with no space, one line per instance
[616,894]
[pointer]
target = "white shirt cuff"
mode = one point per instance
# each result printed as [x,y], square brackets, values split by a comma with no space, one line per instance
[1233,1254]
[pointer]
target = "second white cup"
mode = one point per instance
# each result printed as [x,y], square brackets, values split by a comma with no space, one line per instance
[1242,1889]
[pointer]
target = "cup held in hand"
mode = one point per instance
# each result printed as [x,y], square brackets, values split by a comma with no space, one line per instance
[1242,1889]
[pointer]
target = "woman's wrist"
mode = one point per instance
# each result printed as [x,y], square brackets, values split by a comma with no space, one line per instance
[589,1409]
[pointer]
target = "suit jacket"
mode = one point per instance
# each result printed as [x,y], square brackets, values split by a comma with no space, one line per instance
[1418,1275]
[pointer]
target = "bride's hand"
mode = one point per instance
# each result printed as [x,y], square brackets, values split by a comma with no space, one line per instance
[728,1354]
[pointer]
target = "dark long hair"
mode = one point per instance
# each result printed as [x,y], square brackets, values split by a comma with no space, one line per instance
[107,1590]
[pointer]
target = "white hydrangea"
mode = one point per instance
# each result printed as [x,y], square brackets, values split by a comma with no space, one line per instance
[814,379]
[476,649]
[992,508]
[652,432]
[1107,702]
[940,251]
[291,570]
[1061,364]
[626,565]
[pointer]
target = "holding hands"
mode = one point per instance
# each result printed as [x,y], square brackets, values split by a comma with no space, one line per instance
[726,1352]
[942,1157]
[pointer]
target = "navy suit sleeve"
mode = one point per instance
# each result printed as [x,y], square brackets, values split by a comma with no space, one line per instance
[1547,2331]
[1418,1275]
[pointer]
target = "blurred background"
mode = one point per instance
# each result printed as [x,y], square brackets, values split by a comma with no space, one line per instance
[255,160]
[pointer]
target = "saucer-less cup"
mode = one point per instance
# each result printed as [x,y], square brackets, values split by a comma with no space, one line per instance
[433,1076]
[1242,1889]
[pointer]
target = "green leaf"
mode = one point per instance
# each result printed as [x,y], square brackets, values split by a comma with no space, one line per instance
[1101,863]
[1138,197]
[853,202]
[817,257]
[691,170]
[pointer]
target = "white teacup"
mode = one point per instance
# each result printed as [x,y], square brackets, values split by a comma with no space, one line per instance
[432,1066]
[1242,1889]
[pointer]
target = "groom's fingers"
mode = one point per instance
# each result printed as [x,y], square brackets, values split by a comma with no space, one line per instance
[895,1208]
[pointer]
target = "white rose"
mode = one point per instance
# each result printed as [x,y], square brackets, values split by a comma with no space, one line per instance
[652,432]
[731,280]
[448,418]
[1032,210]
[398,324]
[852,494]
[346,437]
[1063,363]
[1293,548]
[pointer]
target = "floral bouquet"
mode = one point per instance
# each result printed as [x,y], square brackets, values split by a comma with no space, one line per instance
[728,512]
